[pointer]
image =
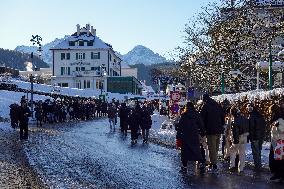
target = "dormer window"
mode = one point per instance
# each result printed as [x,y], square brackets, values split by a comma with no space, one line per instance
[71,43]
[90,43]
[81,43]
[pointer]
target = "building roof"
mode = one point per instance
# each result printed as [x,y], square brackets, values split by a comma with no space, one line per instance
[97,43]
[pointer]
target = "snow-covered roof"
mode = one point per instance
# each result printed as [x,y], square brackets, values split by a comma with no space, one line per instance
[97,42]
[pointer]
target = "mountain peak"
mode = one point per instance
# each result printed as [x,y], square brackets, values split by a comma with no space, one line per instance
[143,55]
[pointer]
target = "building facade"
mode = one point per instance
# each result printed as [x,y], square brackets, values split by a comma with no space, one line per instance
[84,61]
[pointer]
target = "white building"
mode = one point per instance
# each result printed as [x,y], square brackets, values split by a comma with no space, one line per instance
[84,61]
[126,70]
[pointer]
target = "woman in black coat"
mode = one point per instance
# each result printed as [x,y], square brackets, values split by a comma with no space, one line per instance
[189,128]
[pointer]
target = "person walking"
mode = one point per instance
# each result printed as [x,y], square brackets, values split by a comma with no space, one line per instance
[123,114]
[240,132]
[214,120]
[189,129]
[24,114]
[146,123]
[112,112]
[276,155]
[256,134]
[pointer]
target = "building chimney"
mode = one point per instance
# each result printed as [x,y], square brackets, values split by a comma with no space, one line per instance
[92,30]
[88,29]
[78,29]
[95,32]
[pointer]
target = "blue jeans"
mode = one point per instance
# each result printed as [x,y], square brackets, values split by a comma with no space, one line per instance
[256,147]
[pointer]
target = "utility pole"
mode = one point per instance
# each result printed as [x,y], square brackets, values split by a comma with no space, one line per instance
[270,66]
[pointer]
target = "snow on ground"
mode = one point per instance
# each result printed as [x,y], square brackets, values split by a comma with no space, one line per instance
[164,136]
[9,97]
[71,91]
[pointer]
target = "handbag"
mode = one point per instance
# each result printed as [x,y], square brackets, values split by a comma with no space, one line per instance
[279,150]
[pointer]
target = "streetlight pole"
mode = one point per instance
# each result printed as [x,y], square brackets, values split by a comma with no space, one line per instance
[270,66]
[32,94]
[222,82]
[101,71]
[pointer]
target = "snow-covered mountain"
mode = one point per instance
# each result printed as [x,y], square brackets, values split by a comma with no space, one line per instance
[143,55]
[138,55]
[46,53]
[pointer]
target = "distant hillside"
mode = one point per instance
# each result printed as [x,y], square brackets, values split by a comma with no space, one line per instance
[46,53]
[16,60]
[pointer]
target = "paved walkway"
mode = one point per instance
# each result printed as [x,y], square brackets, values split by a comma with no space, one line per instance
[14,169]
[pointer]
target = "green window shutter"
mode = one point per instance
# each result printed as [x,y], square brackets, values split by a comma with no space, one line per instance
[99,55]
[62,70]
[68,70]
[76,56]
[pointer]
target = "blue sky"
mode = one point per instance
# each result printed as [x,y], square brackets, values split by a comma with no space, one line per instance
[157,24]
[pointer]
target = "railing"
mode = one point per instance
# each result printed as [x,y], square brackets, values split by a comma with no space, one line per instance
[86,73]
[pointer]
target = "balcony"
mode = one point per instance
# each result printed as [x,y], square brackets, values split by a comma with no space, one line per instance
[85,73]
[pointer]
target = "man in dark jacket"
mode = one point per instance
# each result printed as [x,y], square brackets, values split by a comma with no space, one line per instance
[24,114]
[189,128]
[214,120]
[134,123]
[256,134]
[146,123]
[123,114]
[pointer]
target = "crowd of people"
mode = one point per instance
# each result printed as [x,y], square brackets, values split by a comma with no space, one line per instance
[200,128]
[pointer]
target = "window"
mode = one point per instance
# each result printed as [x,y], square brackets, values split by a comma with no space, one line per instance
[90,43]
[80,56]
[64,85]
[99,84]
[65,70]
[114,60]
[87,84]
[92,68]
[81,43]
[110,57]
[78,84]
[71,43]
[62,56]
[77,68]
[95,55]
[68,56]
[82,68]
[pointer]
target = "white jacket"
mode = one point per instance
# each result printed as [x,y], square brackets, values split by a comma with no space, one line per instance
[277,132]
